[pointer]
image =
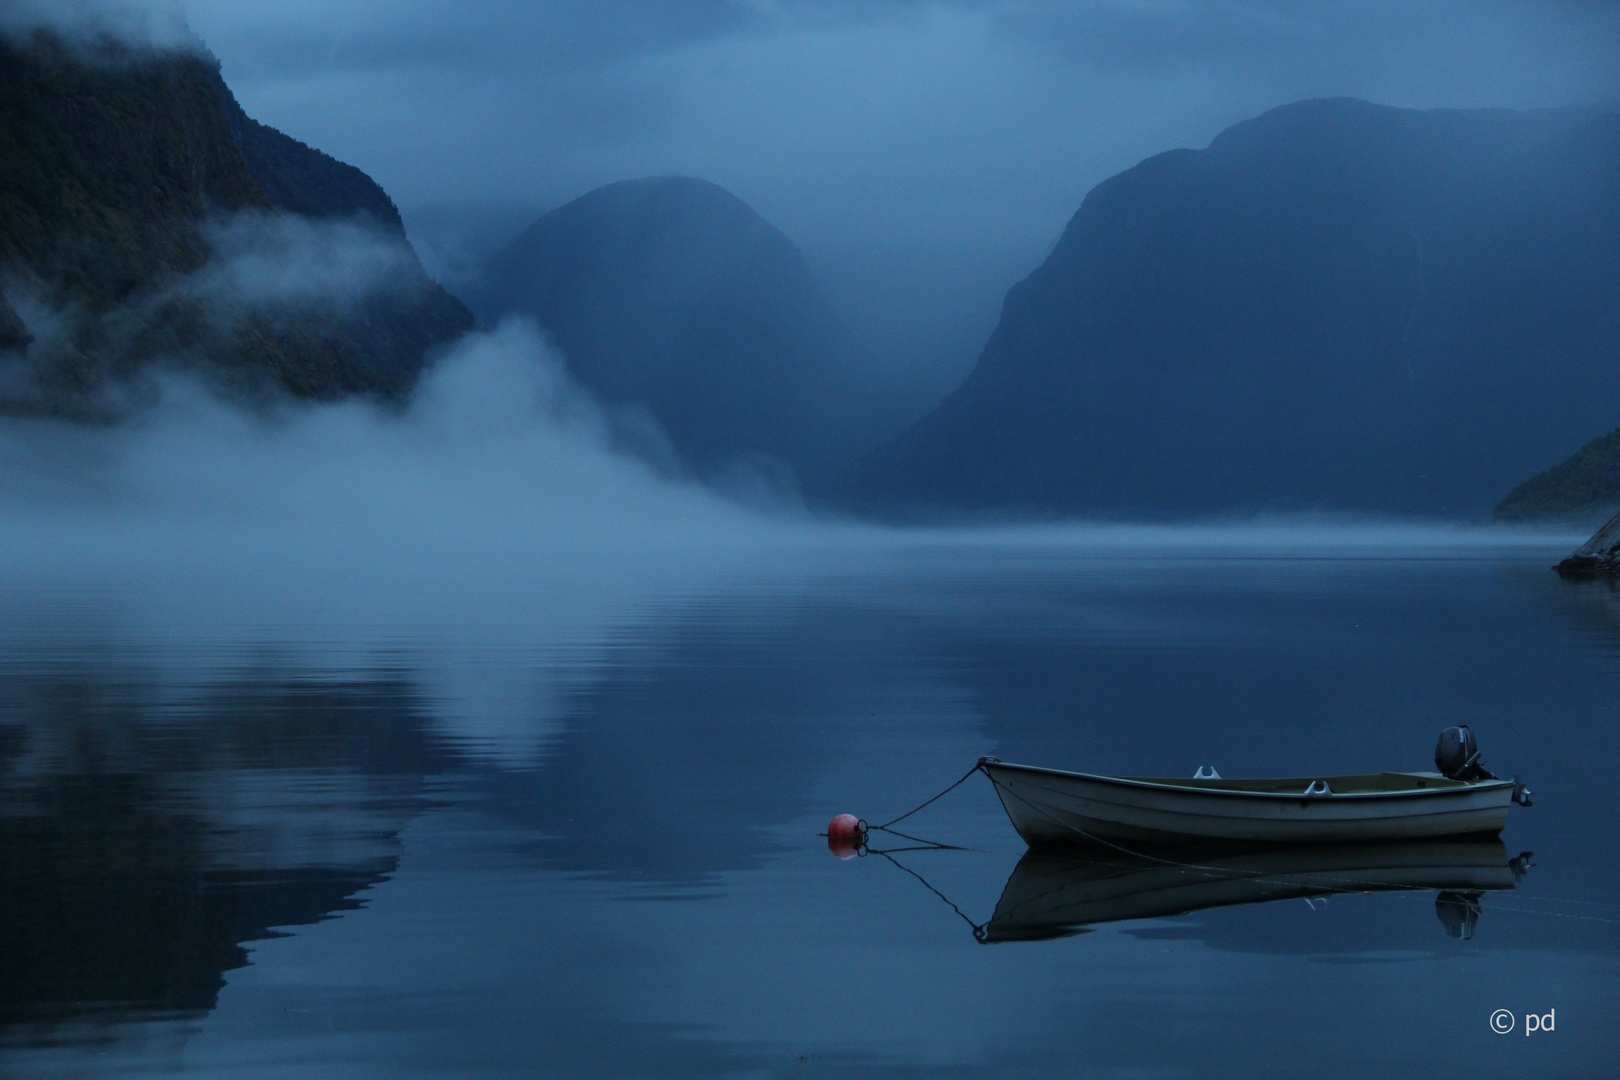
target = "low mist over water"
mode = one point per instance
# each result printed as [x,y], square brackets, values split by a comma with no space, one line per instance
[497,492]
[500,506]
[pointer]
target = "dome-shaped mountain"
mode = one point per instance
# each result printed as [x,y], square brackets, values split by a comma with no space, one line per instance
[673,293]
[1336,304]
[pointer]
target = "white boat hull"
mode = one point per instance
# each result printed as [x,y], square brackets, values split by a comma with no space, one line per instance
[1052,807]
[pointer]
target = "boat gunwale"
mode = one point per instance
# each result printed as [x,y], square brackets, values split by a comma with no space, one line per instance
[1183,788]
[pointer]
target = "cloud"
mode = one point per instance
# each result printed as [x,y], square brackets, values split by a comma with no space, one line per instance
[263,259]
[453,34]
[1423,53]
[261,264]
[926,120]
[497,515]
[498,503]
[498,450]
[159,24]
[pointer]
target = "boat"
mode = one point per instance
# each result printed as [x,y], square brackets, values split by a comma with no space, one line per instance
[1053,807]
[1059,895]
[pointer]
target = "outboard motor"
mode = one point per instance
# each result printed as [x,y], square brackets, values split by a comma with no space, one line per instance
[1456,755]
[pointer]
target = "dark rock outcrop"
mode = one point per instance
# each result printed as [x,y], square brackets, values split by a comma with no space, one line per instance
[118,168]
[671,292]
[1598,557]
[1336,304]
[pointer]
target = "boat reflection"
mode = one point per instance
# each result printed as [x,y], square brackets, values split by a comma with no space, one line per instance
[1052,895]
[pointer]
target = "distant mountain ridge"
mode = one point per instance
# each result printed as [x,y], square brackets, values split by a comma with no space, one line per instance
[671,292]
[1583,488]
[1335,305]
[116,168]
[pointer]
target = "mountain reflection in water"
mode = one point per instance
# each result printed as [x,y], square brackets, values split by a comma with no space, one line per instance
[144,839]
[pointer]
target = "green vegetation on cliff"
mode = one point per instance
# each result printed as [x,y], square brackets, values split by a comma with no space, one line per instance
[300,179]
[121,173]
[111,164]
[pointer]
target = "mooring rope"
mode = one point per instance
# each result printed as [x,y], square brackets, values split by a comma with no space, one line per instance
[978,767]
[977,928]
[1497,905]
[919,840]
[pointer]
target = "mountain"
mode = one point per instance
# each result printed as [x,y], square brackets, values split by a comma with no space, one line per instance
[1334,305]
[1584,487]
[137,201]
[672,293]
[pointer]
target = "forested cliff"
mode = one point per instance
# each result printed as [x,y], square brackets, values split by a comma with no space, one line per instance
[145,220]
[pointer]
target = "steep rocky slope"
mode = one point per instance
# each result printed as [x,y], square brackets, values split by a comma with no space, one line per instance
[144,218]
[1336,304]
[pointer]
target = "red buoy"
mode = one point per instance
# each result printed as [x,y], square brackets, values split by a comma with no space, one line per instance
[845,835]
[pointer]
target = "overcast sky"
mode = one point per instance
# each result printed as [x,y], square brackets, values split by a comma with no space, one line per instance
[850,121]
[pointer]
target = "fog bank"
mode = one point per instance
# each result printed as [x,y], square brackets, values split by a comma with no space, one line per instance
[159,24]
[498,466]
[499,490]
[494,539]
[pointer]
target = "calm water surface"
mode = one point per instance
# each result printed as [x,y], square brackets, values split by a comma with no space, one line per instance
[589,849]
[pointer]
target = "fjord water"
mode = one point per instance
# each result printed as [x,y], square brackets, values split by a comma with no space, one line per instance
[264,840]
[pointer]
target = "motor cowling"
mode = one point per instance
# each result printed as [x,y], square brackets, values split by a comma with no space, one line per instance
[1456,755]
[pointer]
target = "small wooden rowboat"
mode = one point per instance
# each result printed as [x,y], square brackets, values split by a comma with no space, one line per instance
[1052,807]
